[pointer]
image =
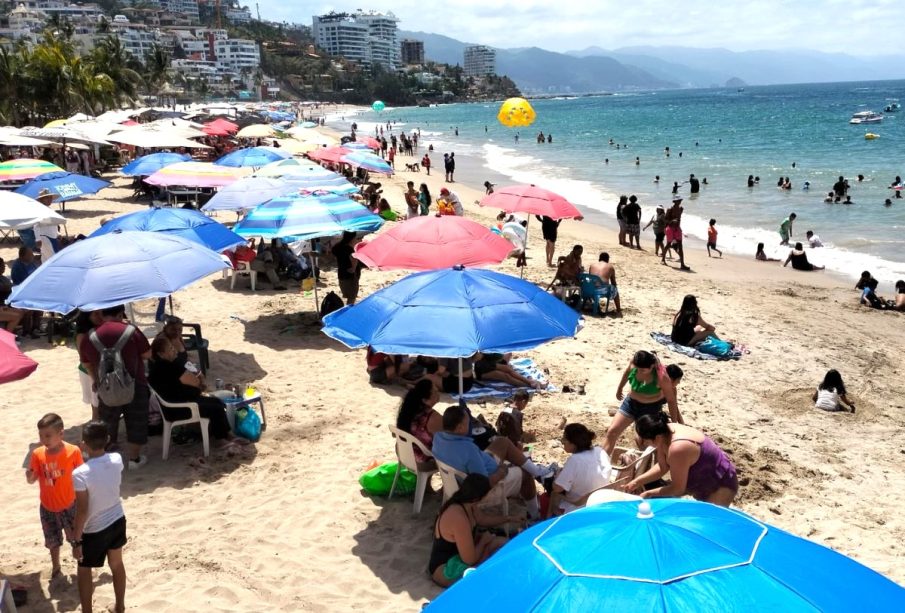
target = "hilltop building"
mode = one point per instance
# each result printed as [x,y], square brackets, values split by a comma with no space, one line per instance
[480,61]
[365,37]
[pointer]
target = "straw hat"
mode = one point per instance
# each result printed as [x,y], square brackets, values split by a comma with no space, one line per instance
[45,193]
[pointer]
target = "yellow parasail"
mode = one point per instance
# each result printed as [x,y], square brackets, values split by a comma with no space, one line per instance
[516,113]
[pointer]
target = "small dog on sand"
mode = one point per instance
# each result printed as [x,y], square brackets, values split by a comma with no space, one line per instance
[416,167]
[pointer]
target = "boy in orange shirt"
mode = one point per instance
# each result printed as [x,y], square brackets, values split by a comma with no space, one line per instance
[711,238]
[51,464]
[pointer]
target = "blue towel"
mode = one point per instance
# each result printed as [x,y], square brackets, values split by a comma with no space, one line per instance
[665,339]
[497,389]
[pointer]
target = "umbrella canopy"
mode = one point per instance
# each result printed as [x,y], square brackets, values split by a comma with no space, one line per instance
[454,312]
[532,200]
[318,138]
[257,130]
[296,147]
[24,169]
[147,165]
[306,216]
[247,193]
[220,127]
[14,364]
[187,223]
[114,269]
[19,212]
[155,137]
[667,555]
[329,154]
[289,166]
[312,178]
[368,141]
[197,174]
[66,185]
[253,156]
[427,243]
[368,161]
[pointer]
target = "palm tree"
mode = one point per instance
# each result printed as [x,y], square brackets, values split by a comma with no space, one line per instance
[157,63]
[110,58]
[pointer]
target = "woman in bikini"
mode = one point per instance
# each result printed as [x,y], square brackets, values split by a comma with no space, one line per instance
[697,466]
[651,388]
[688,327]
[456,547]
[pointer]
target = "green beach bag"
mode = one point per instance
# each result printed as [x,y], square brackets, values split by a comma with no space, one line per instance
[378,481]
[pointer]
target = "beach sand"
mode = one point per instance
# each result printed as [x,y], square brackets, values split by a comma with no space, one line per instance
[287,528]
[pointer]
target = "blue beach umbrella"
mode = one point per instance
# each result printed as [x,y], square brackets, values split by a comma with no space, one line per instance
[368,161]
[248,193]
[667,555]
[113,269]
[147,165]
[357,146]
[66,185]
[306,216]
[253,156]
[185,223]
[454,312]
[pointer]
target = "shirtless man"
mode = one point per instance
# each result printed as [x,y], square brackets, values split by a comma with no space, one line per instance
[607,273]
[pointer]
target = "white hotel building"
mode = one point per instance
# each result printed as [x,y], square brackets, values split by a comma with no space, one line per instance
[364,37]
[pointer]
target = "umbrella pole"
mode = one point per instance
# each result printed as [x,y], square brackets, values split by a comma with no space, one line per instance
[521,271]
[171,304]
[314,276]
[461,385]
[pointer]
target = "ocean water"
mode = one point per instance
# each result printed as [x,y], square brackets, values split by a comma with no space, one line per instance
[723,135]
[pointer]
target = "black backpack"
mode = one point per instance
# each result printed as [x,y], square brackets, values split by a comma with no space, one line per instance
[331,302]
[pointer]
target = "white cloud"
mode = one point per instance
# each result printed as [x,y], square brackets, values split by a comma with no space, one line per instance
[858,27]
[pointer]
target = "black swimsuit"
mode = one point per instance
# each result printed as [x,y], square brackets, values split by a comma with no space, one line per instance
[441,550]
[683,328]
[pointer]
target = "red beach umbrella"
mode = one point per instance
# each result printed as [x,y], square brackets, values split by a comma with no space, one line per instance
[220,127]
[329,154]
[532,200]
[14,364]
[370,141]
[428,243]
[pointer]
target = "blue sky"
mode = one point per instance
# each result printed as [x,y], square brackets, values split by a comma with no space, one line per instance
[857,27]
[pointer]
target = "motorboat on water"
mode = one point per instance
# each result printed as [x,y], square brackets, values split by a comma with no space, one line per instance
[893,107]
[866,117]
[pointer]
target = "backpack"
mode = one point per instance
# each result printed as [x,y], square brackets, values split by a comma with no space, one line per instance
[115,386]
[331,302]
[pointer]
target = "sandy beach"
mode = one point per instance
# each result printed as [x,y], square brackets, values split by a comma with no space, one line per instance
[287,527]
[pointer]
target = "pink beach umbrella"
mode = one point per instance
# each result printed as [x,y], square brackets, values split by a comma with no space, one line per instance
[329,154]
[197,174]
[14,364]
[532,200]
[428,243]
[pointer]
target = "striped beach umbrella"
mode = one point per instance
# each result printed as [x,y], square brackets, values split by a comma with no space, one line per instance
[25,168]
[329,154]
[247,193]
[252,156]
[197,174]
[290,166]
[306,216]
[368,161]
[147,165]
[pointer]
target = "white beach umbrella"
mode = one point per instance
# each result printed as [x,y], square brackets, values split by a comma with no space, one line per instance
[18,212]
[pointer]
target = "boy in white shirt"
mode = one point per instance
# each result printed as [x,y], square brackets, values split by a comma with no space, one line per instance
[100,523]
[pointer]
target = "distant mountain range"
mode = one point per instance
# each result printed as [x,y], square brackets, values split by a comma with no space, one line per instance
[595,69]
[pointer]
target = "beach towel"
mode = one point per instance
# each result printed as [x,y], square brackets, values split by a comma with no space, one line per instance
[665,339]
[497,389]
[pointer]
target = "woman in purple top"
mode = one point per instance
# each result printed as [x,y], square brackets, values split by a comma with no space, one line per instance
[695,463]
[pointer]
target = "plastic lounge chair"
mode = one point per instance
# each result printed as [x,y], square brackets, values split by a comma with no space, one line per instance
[243,268]
[7,603]
[450,478]
[194,419]
[593,289]
[405,452]
[196,342]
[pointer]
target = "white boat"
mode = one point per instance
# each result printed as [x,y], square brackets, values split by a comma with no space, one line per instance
[866,117]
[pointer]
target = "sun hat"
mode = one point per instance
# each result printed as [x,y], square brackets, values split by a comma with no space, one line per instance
[44,193]
[444,190]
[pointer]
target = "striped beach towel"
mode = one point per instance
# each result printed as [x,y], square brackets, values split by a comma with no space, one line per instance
[497,389]
[665,339]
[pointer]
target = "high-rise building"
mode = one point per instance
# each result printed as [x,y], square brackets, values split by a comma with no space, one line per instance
[182,7]
[365,37]
[412,51]
[480,61]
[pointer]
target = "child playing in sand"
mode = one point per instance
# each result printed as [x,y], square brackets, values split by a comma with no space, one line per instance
[830,394]
[711,238]
[512,418]
[100,524]
[51,465]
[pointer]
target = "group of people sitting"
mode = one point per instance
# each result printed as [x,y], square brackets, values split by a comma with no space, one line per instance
[276,260]
[496,464]
[868,287]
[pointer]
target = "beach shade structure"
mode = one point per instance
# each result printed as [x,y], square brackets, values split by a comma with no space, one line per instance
[186,223]
[113,269]
[516,113]
[307,215]
[311,178]
[378,106]
[317,138]
[368,141]
[18,212]
[532,200]
[25,169]
[428,243]
[64,185]
[56,123]
[667,555]
[147,165]
[257,130]
[14,365]
[356,146]
[332,155]
[368,161]
[157,137]
[288,166]
[252,156]
[302,129]
[247,193]
[296,147]
[454,313]
[197,174]
[220,127]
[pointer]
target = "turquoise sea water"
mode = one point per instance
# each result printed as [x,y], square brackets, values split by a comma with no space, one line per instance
[723,135]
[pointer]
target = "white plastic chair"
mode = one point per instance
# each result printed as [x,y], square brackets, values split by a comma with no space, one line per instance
[243,268]
[7,604]
[405,452]
[195,418]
